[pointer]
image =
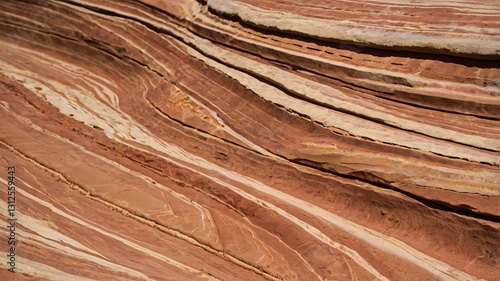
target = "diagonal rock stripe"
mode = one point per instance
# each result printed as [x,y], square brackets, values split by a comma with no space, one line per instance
[250,140]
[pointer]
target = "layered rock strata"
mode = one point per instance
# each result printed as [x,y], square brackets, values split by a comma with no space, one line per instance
[251,140]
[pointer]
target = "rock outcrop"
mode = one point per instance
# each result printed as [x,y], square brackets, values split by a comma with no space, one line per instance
[251,139]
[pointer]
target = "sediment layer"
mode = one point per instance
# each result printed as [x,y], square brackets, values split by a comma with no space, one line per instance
[252,140]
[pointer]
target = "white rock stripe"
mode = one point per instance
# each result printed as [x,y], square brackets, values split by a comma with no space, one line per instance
[41,270]
[181,157]
[44,238]
[178,156]
[352,31]
[133,245]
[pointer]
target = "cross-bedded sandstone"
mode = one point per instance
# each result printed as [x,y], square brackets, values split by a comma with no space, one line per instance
[252,140]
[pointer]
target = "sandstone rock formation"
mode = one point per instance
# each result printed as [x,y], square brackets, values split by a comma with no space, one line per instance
[251,139]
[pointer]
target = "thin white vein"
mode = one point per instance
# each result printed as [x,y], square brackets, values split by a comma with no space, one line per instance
[42,270]
[113,236]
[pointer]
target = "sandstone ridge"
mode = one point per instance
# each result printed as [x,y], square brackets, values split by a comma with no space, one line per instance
[251,140]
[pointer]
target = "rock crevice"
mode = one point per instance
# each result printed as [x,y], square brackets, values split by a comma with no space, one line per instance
[252,140]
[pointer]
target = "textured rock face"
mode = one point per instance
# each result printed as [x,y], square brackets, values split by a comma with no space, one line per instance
[251,140]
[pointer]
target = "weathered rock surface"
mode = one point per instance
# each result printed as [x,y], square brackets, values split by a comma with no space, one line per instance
[251,140]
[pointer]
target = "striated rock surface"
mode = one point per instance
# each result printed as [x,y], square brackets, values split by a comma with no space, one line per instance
[251,139]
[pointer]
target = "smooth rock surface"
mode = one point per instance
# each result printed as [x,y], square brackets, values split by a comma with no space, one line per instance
[251,140]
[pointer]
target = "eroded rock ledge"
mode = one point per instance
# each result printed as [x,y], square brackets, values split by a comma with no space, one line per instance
[252,140]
